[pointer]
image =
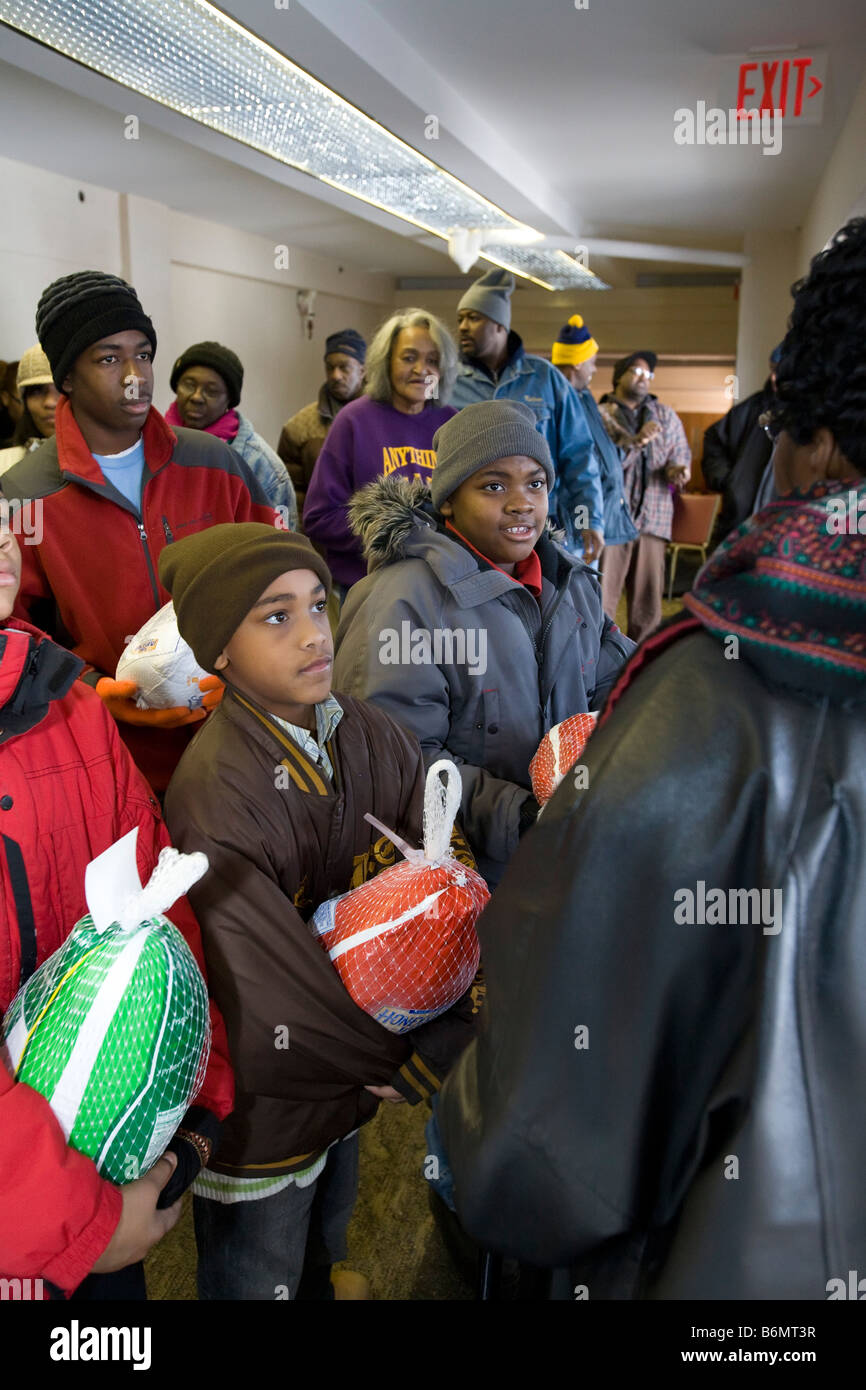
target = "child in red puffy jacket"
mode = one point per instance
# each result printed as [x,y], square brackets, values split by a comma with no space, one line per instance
[68,790]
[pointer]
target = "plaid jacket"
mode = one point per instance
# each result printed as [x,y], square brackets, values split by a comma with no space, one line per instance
[650,497]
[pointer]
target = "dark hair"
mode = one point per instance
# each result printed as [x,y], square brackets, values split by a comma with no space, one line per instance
[8,382]
[26,429]
[821,376]
[9,377]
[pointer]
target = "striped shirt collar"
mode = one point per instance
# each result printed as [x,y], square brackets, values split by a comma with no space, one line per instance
[304,754]
[329,712]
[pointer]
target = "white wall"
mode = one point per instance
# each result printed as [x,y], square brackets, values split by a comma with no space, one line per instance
[778,259]
[224,286]
[47,231]
[196,279]
[282,367]
[842,190]
[765,303]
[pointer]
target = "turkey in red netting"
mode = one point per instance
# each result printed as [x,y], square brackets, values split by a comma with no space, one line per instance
[404,944]
[557,753]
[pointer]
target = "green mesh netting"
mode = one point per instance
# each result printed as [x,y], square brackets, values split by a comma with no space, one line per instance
[113,1030]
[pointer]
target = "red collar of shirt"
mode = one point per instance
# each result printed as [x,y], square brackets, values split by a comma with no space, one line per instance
[526,572]
[73,455]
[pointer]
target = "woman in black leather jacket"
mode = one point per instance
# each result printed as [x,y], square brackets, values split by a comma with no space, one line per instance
[666,1097]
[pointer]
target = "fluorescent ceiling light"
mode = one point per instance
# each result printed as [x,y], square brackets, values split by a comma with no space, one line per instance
[192,58]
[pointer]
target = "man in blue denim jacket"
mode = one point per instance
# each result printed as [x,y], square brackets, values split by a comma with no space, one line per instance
[495,365]
[575,354]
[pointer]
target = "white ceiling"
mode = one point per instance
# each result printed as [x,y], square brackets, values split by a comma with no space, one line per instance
[73,135]
[562,116]
[589,96]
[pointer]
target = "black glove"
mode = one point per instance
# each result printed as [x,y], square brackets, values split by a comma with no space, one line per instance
[528,815]
[197,1121]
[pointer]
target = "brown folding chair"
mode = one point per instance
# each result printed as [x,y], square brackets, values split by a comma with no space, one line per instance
[694,518]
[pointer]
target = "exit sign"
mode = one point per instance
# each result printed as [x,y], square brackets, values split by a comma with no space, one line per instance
[792,83]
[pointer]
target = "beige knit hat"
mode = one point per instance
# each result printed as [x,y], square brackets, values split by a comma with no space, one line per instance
[34,369]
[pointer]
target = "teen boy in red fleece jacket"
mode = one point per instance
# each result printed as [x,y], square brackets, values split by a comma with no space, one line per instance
[108,492]
[68,790]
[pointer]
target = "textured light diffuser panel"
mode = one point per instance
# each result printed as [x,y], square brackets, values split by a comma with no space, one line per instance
[554,269]
[188,56]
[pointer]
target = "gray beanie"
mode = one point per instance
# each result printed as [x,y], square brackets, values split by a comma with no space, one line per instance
[481,434]
[491,296]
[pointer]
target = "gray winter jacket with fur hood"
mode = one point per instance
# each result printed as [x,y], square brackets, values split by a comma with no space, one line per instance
[466,657]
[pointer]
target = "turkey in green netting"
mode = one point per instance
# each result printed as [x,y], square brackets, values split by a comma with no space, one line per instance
[113,1029]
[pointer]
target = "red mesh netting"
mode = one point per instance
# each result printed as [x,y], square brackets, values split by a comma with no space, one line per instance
[557,753]
[405,944]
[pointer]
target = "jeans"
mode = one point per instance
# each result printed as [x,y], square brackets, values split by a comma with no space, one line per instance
[279,1247]
[439,1175]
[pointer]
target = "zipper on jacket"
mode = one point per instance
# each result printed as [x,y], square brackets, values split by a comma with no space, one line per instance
[546,625]
[167,529]
[23,908]
[531,633]
[143,534]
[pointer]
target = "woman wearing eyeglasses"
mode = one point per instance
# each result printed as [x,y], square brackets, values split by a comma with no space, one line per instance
[208,379]
[656,464]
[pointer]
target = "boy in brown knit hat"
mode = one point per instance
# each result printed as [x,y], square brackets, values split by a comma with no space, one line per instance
[274,790]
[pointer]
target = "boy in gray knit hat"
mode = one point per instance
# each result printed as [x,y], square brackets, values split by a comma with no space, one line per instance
[474,628]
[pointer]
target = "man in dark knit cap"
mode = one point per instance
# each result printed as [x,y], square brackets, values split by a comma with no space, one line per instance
[304,434]
[113,487]
[207,379]
[274,792]
[496,366]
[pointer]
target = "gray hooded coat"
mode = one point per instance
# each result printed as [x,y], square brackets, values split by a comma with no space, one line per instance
[466,657]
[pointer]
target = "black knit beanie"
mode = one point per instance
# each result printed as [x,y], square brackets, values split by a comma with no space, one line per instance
[348,341]
[216,575]
[79,309]
[220,359]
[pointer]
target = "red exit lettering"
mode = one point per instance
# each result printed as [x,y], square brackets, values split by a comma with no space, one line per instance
[777,84]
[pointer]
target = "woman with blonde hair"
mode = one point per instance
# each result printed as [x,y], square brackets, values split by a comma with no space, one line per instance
[411,369]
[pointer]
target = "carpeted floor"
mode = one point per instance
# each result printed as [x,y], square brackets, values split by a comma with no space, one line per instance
[392,1238]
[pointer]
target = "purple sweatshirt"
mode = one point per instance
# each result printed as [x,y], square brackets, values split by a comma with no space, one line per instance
[367,439]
